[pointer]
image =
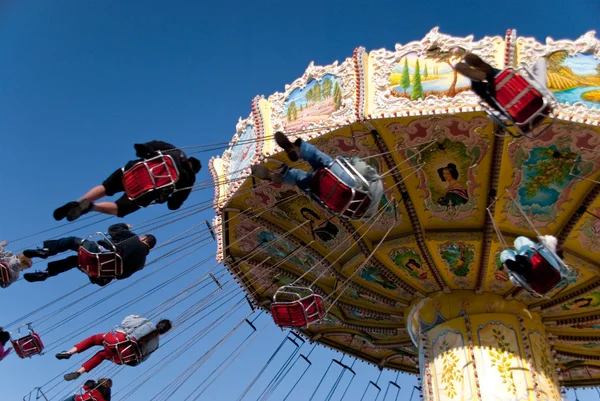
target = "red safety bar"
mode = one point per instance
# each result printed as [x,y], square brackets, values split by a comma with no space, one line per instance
[28,345]
[122,348]
[4,274]
[105,264]
[296,307]
[100,264]
[520,100]
[337,196]
[158,172]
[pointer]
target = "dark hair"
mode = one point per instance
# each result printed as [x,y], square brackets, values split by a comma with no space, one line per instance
[150,240]
[309,211]
[195,164]
[4,337]
[451,167]
[412,262]
[161,328]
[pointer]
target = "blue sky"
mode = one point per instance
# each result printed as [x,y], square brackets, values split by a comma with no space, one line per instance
[82,80]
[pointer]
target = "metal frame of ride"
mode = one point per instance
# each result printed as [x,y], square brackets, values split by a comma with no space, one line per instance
[117,349]
[535,118]
[359,200]
[516,278]
[102,264]
[288,299]
[147,167]
[28,345]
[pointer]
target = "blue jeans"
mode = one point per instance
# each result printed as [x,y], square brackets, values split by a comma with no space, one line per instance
[71,398]
[317,160]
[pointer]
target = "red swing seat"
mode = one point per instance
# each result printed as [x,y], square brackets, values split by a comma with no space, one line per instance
[104,264]
[541,279]
[90,395]
[4,274]
[123,349]
[337,196]
[100,264]
[296,307]
[29,345]
[519,100]
[158,172]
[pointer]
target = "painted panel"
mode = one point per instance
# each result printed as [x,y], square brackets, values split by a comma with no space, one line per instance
[454,154]
[537,174]
[403,257]
[501,363]
[451,366]
[373,278]
[457,257]
[542,363]
[574,78]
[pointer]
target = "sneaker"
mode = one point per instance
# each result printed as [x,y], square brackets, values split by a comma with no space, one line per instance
[63,355]
[37,276]
[62,211]
[470,72]
[265,174]
[82,207]
[292,150]
[37,253]
[72,376]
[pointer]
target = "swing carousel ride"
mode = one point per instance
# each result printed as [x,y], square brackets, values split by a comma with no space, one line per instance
[419,288]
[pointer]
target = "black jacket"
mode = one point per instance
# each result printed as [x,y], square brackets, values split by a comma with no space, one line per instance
[132,250]
[187,177]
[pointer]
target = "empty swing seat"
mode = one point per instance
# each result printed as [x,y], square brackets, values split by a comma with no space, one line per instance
[29,345]
[337,196]
[4,274]
[300,307]
[103,264]
[158,172]
[123,350]
[517,97]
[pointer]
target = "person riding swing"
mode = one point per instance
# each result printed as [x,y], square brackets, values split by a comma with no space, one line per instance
[159,161]
[349,188]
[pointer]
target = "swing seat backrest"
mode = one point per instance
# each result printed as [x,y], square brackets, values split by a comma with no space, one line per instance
[543,277]
[122,348]
[28,345]
[337,196]
[299,313]
[90,395]
[519,99]
[149,175]
[103,264]
[4,274]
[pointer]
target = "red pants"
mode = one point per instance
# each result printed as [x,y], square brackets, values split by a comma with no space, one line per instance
[95,340]
[108,353]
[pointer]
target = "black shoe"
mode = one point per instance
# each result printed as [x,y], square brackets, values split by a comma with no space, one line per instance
[476,62]
[37,253]
[72,376]
[63,355]
[470,72]
[290,149]
[265,174]
[37,276]
[82,207]
[62,211]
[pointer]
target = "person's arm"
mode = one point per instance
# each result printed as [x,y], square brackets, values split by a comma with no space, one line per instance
[177,199]
[120,232]
[148,149]
[3,252]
